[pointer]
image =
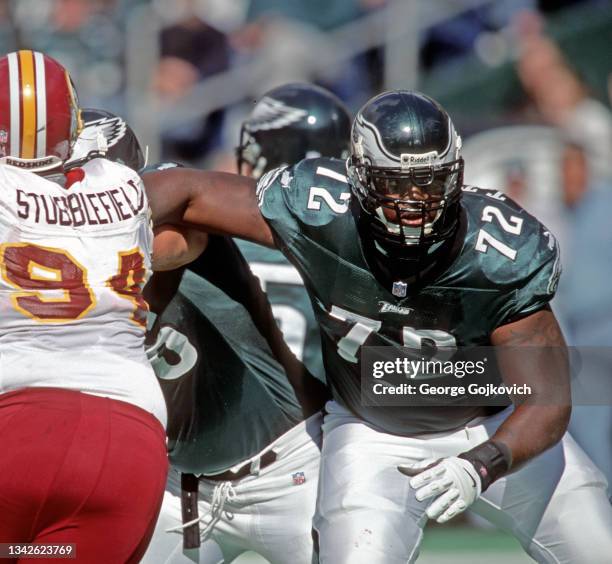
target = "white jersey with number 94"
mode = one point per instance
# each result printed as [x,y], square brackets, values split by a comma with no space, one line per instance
[73,263]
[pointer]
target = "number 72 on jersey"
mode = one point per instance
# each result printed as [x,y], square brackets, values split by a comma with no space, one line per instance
[348,346]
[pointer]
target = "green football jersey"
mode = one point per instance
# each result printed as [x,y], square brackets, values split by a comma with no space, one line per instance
[505,265]
[290,303]
[227,395]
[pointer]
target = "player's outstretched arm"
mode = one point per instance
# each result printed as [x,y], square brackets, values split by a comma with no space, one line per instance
[214,202]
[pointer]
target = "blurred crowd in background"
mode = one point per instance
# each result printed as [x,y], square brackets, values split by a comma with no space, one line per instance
[489,62]
[527,82]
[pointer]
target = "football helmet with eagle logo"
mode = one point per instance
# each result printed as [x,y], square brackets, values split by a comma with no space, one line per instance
[290,123]
[406,170]
[40,118]
[107,135]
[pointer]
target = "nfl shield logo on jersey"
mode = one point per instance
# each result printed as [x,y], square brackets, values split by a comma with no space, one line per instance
[399,289]
[298,478]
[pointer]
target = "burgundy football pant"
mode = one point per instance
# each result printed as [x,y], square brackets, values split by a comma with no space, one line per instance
[82,469]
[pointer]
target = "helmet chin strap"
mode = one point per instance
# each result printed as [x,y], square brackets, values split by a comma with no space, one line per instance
[407,253]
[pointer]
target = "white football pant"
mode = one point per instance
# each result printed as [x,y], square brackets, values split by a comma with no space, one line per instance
[269,513]
[556,505]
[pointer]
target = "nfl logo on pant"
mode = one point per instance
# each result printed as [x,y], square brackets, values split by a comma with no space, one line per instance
[298,478]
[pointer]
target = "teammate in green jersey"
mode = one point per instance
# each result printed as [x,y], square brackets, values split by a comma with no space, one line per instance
[291,123]
[244,450]
[243,421]
[394,251]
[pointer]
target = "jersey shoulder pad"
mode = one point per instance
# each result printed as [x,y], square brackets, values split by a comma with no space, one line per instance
[12,180]
[311,193]
[103,174]
[514,251]
[110,171]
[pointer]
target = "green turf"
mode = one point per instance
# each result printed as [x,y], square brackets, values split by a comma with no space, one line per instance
[452,539]
[455,545]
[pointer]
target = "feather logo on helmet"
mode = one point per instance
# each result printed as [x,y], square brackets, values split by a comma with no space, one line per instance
[113,129]
[97,137]
[274,114]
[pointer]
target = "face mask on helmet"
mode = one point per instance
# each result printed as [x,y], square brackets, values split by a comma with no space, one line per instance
[408,198]
[248,154]
[40,118]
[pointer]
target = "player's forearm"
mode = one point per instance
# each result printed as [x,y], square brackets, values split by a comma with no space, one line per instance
[532,429]
[530,351]
[215,202]
[311,393]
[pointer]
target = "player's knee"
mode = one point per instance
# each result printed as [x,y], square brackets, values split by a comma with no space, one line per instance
[357,538]
[573,537]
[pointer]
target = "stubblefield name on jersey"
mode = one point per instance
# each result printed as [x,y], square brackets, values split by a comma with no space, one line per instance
[97,208]
[504,264]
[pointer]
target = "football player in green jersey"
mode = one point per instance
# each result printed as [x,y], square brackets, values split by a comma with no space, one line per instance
[244,426]
[394,251]
[236,402]
[243,443]
[290,123]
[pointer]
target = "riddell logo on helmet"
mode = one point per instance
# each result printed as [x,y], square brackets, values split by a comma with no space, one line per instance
[411,160]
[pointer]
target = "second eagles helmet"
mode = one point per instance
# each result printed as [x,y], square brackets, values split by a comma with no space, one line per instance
[106,135]
[290,123]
